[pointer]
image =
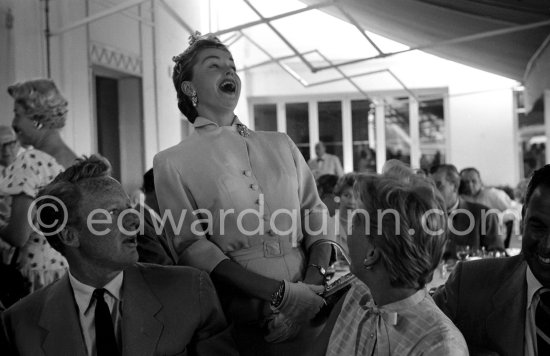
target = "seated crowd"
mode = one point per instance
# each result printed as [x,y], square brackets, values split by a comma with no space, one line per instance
[85,272]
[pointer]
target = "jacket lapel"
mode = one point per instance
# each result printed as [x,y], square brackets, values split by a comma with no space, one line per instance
[506,323]
[61,322]
[141,329]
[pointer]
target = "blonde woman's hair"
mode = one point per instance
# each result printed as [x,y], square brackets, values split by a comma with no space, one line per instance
[407,224]
[42,102]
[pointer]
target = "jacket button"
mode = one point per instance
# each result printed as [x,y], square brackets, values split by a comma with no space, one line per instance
[247,173]
[254,186]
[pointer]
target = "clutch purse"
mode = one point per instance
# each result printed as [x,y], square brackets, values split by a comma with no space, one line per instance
[334,291]
[332,294]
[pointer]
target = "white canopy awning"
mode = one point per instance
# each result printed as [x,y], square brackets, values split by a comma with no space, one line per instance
[505,37]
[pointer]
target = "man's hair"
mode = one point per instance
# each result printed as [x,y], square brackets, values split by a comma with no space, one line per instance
[326,183]
[345,181]
[469,170]
[450,172]
[148,182]
[396,168]
[412,232]
[64,194]
[540,177]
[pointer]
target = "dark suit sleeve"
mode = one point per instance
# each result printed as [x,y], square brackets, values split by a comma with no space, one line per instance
[152,247]
[6,346]
[213,337]
[446,296]
[492,238]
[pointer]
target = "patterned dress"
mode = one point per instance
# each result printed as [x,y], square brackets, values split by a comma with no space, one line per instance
[38,261]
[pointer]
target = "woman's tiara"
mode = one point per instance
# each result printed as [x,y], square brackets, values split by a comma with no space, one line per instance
[193,40]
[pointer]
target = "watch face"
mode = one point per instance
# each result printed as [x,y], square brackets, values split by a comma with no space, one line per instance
[322,270]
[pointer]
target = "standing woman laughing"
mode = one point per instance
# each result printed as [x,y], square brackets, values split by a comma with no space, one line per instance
[249,207]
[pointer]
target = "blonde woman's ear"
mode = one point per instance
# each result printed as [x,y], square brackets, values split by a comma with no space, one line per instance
[371,259]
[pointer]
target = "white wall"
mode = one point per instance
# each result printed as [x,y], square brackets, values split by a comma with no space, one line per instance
[482,135]
[7,61]
[171,39]
[71,71]
[22,50]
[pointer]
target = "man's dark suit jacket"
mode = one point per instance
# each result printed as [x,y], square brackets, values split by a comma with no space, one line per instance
[153,247]
[476,239]
[487,300]
[165,311]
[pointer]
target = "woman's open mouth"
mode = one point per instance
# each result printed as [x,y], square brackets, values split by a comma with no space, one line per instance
[228,86]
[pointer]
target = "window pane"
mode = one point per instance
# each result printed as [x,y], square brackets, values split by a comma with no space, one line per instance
[297,126]
[431,123]
[265,117]
[363,129]
[532,135]
[330,127]
[398,139]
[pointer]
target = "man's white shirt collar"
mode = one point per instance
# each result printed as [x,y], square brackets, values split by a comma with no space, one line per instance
[83,292]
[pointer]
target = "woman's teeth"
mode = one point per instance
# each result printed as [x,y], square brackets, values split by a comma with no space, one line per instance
[228,86]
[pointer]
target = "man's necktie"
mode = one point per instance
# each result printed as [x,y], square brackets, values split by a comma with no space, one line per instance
[542,320]
[104,331]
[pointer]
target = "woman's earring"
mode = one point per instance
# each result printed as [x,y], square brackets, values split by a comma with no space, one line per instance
[38,125]
[190,91]
[194,99]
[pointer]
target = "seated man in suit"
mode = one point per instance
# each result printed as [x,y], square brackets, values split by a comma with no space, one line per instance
[503,304]
[153,246]
[469,223]
[108,304]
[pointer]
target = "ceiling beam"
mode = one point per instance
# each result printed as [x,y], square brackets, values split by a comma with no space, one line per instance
[113,10]
[276,17]
[356,24]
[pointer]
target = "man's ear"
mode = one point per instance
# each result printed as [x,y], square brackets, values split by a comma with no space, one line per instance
[69,237]
[188,88]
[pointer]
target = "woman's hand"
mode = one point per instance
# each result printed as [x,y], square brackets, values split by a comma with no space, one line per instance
[301,301]
[280,328]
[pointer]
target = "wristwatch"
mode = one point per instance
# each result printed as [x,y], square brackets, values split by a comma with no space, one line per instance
[322,270]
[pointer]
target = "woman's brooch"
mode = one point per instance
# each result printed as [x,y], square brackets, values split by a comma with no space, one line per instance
[243,130]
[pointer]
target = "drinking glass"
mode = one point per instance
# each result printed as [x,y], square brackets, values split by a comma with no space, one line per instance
[463,252]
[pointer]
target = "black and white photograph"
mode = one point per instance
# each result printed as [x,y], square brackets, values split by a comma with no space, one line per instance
[274,178]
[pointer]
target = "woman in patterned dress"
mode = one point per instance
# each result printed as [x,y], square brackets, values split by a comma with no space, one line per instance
[40,112]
